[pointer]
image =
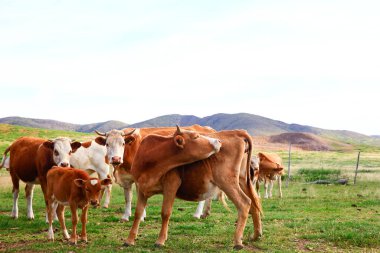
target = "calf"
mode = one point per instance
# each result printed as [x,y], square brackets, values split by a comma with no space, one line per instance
[195,181]
[127,143]
[30,159]
[204,207]
[92,157]
[270,170]
[74,188]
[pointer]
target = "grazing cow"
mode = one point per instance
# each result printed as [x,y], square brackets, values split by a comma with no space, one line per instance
[270,170]
[204,207]
[92,157]
[198,181]
[30,159]
[74,188]
[130,143]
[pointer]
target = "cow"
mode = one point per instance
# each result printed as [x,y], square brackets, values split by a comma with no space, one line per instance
[92,157]
[30,159]
[204,207]
[270,170]
[74,188]
[130,142]
[198,181]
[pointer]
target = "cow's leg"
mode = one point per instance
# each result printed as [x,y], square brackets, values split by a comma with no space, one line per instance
[83,219]
[15,191]
[279,185]
[258,187]
[199,210]
[74,219]
[170,188]
[242,203]
[255,209]
[271,183]
[61,217]
[266,182]
[128,202]
[141,203]
[207,208]
[50,210]
[107,197]
[29,187]
[43,183]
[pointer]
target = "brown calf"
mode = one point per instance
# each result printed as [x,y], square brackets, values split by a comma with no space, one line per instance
[29,161]
[74,188]
[198,181]
[270,170]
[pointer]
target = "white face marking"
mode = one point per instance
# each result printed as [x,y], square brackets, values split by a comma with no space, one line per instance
[214,142]
[62,148]
[115,145]
[94,181]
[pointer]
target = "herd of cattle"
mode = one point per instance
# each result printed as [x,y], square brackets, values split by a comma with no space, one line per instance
[192,163]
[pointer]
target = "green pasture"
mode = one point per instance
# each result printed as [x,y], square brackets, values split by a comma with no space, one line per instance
[309,217]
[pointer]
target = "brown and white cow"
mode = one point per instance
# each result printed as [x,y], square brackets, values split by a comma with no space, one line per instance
[198,181]
[74,188]
[130,142]
[30,159]
[270,169]
[92,157]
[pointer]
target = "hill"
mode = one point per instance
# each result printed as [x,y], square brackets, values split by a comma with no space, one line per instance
[58,125]
[322,139]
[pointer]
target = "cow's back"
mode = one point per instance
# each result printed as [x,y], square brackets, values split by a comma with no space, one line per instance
[23,155]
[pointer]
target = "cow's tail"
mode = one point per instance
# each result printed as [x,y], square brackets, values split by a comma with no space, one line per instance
[4,157]
[255,198]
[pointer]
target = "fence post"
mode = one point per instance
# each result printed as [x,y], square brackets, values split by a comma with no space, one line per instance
[287,180]
[357,167]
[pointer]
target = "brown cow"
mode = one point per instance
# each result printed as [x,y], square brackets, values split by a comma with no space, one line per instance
[270,170]
[30,159]
[130,145]
[204,207]
[74,188]
[198,181]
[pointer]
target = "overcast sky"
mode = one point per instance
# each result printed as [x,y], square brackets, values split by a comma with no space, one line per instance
[308,62]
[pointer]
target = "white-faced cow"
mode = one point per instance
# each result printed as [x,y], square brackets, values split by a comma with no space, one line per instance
[270,170]
[197,181]
[92,157]
[130,141]
[74,188]
[30,159]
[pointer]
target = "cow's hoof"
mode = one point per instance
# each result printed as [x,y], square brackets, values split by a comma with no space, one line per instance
[127,244]
[105,206]
[238,247]
[255,237]
[124,219]
[158,245]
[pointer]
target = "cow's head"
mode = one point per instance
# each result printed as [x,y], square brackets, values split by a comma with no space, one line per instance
[254,168]
[62,148]
[91,187]
[114,141]
[196,145]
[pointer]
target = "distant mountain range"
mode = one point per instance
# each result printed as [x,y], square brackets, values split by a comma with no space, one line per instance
[254,124]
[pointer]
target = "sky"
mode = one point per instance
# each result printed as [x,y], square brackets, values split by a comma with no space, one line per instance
[313,63]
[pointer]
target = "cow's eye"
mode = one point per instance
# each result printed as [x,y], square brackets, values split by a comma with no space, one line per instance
[56,153]
[123,144]
[87,190]
[107,145]
[196,136]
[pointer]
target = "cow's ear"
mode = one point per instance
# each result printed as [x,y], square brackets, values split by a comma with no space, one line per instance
[106,181]
[49,144]
[75,145]
[129,139]
[79,182]
[179,141]
[100,140]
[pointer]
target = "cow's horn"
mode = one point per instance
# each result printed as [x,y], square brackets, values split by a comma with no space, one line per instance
[178,129]
[131,132]
[99,133]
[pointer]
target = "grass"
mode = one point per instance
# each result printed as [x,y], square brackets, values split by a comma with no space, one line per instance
[309,218]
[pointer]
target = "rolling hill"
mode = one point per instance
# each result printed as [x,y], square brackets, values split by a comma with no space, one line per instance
[322,139]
